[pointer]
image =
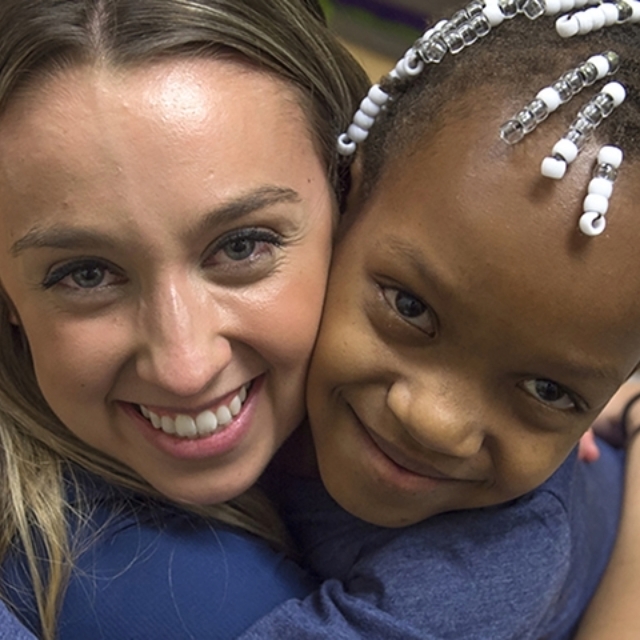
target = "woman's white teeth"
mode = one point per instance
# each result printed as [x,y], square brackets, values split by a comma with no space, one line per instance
[224,416]
[204,424]
[235,405]
[167,424]
[186,426]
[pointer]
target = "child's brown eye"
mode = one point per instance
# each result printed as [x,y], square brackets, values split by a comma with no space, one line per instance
[549,393]
[410,308]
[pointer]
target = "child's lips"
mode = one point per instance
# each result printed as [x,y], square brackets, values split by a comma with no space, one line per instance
[408,462]
[400,458]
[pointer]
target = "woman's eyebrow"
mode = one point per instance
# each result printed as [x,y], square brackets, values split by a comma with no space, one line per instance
[245,204]
[63,237]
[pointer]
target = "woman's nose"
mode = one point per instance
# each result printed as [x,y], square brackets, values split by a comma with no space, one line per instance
[182,348]
[439,415]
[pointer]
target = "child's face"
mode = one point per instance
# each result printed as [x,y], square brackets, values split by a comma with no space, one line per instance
[471,334]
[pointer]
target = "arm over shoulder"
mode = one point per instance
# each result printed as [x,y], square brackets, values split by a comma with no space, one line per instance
[488,573]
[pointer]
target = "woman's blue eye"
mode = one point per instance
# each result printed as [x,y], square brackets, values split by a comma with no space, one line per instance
[244,245]
[89,276]
[549,393]
[84,274]
[240,248]
[411,309]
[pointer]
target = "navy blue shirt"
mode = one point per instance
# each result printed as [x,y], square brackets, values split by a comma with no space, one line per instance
[154,571]
[524,570]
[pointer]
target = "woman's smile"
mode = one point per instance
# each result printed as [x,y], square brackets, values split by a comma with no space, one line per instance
[161,269]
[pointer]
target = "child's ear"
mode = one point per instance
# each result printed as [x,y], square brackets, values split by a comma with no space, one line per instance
[355,187]
[14,318]
[353,199]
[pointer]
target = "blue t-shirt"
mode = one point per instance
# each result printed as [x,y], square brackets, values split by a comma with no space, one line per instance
[152,571]
[10,628]
[524,570]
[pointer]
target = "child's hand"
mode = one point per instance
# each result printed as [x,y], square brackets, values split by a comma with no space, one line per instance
[620,418]
[588,450]
[609,424]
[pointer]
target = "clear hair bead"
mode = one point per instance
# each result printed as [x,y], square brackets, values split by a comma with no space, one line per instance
[561,91]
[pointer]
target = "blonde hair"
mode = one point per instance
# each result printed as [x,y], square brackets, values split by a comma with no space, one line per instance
[39,37]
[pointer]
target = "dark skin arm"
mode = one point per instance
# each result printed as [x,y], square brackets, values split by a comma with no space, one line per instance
[614,611]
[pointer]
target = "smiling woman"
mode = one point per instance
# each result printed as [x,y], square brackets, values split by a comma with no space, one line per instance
[157,241]
[166,218]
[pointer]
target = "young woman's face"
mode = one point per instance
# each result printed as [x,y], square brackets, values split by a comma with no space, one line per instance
[471,334]
[165,235]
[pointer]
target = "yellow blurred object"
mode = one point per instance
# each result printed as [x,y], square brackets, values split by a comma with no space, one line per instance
[375,64]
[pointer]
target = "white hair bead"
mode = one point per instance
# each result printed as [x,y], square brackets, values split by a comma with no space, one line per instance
[369,107]
[399,70]
[356,133]
[567,5]
[635,11]
[610,13]
[601,187]
[585,23]
[565,149]
[567,26]
[377,95]
[550,97]
[616,91]
[493,14]
[601,64]
[412,67]
[346,147]
[554,168]
[363,120]
[598,18]
[592,223]
[552,7]
[595,202]
[610,155]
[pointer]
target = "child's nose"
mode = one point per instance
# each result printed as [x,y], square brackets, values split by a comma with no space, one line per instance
[439,416]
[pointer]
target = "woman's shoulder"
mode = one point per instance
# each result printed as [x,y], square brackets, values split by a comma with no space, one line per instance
[148,569]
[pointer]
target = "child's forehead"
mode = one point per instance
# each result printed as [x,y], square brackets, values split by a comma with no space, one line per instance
[459,179]
[481,217]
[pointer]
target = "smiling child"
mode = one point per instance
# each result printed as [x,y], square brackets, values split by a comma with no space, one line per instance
[481,311]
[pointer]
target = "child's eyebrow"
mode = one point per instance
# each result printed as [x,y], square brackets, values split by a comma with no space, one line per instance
[412,255]
[587,371]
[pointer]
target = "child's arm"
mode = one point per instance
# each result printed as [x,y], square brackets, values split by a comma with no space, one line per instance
[614,611]
[510,572]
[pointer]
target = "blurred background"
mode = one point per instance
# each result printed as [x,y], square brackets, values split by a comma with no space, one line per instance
[378,32]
